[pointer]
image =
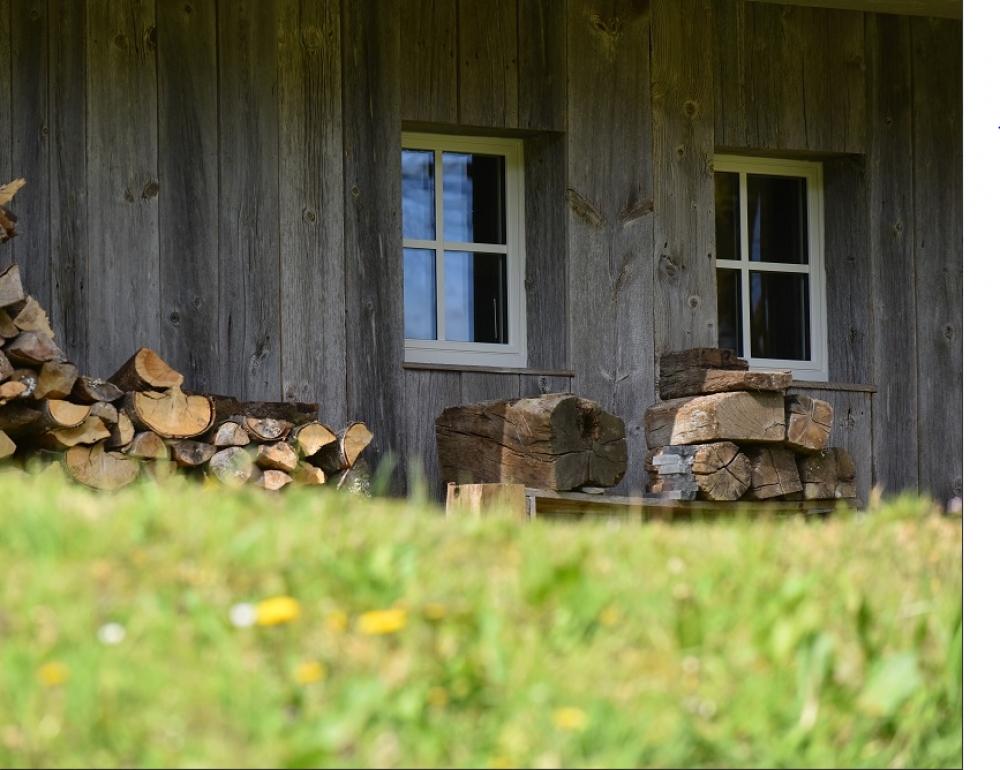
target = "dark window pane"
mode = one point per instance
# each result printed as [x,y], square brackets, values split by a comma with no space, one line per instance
[475,304]
[730,310]
[418,194]
[727,215]
[474,198]
[776,219]
[779,316]
[419,295]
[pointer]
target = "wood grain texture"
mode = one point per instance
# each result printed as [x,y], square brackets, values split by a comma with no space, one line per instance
[937,186]
[434,392]
[848,273]
[487,63]
[610,231]
[123,279]
[685,309]
[541,63]
[312,208]
[428,49]
[189,190]
[890,207]
[29,118]
[372,229]
[6,168]
[249,334]
[69,233]
[481,386]
[537,385]
[732,73]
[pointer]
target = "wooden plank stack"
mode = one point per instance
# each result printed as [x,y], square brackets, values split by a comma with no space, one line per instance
[724,433]
[106,433]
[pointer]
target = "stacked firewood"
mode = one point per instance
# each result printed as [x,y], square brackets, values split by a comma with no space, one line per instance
[106,433]
[724,433]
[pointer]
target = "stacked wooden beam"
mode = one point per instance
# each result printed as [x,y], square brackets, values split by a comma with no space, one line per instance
[724,433]
[106,433]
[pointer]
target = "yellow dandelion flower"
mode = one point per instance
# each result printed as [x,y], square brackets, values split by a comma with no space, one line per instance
[310,672]
[609,617]
[279,609]
[435,611]
[382,621]
[437,696]
[569,718]
[53,674]
[337,620]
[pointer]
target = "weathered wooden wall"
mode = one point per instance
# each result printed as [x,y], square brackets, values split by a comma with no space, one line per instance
[220,181]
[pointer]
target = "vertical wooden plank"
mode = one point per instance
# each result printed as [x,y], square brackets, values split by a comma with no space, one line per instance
[487,63]
[249,269]
[834,81]
[545,243]
[610,194]
[434,392]
[29,118]
[429,60]
[539,384]
[6,168]
[486,386]
[372,229]
[123,281]
[937,207]
[69,233]
[541,63]
[777,79]
[848,277]
[311,200]
[890,207]
[685,309]
[733,128]
[189,191]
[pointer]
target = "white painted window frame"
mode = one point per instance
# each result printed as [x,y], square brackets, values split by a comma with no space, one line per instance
[441,351]
[816,368]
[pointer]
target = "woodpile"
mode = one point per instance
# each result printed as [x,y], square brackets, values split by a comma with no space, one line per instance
[724,433]
[141,420]
[557,441]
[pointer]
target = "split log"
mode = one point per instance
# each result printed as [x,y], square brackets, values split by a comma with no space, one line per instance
[11,290]
[146,371]
[146,445]
[228,434]
[33,349]
[58,414]
[774,472]
[105,412]
[809,422]
[159,471]
[278,456]
[357,479]
[739,416]
[827,474]
[308,474]
[556,441]
[295,412]
[7,329]
[6,368]
[172,413]
[233,466]
[718,471]
[12,389]
[308,439]
[17,419]
[699,358]
[343,453]
[56,380]
[273,480]
[90,390]
[695,382]
[90,431]
[28,378]
[190,454]
[263,428]
[28,316]
[7,446]
[122,432]
[99,469]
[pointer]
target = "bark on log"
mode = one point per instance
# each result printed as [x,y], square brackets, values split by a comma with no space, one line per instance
[263,428]
[695,382]
[28,378]
[17,419]
[233,466]
[357,479]
[557,441]
[61,415]
[188,453]
[308,474]
[809,422]
[718,471]
[56,380]
[122,432]
[774,472]
[740,416]
[308,439]
[105,412]
[172,413]
[89,390]
[33,349]
[6,367]
[146,371]
[700,358]
[827,474]
[100,469]
[11,290]
[295,412]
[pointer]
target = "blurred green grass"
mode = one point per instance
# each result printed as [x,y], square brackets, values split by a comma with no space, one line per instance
[764,643]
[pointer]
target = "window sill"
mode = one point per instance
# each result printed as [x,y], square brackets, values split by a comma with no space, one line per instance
[837,386]
[488,369]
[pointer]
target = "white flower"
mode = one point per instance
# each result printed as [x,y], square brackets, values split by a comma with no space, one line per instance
[111,633]
[243,615]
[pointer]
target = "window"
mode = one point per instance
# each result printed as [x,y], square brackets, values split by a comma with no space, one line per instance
[770,279]
[463,250]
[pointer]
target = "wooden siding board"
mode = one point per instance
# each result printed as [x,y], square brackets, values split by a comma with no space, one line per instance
[538,385]
[838,108]
[311,201]
[69,230]
[610,231]
[123,282]
[890,207]
[428,71]
[732,69]
[372,229]
[29,118]
[486,386]
[777,77]
[685,307]
[249,269]
[189,191]
[545,243]
[848,277]
[541,62]
[434,392]
[487,63]
[937,185]
[6,166]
